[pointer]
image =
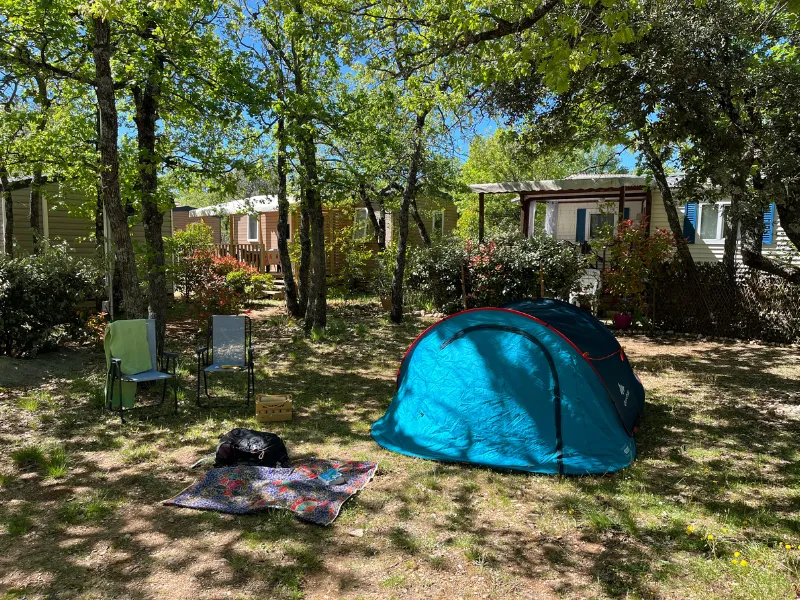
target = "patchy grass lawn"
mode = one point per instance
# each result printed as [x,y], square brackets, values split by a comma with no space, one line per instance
[708,511]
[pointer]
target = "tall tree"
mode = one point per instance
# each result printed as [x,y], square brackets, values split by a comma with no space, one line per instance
[410,190]
[102,50]
[305,44]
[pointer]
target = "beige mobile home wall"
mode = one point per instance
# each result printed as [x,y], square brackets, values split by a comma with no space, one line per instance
[704,251]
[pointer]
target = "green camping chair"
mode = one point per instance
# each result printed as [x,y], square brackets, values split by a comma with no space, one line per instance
[132,358]
[230,344]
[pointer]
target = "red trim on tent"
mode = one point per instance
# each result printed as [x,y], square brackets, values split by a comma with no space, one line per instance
[583,355]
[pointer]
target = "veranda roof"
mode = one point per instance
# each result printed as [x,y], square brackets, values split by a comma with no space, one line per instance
[572,183]
[253,204]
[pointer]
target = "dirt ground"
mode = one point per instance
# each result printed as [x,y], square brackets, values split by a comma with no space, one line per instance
[80,493]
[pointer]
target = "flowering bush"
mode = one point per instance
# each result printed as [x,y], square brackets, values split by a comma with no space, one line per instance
[632,255]
[506,268]
[223,285]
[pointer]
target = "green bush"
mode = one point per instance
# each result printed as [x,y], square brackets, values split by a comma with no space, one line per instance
[355,254]
[506,268]
[435,272]
[41,298]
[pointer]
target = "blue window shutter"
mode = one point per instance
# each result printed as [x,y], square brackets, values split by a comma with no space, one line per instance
[580,228]
[626,213]
[769,225]
[690,221]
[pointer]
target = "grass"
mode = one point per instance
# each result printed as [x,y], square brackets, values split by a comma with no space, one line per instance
[717,456]
[52,462]
[91,508]
[137,453]
[16,524]
[29,457]
[35,401]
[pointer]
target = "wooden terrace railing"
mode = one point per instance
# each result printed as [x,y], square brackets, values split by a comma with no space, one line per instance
[255,255]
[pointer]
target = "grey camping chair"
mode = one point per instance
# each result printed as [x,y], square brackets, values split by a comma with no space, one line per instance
[127,383]
[229,349]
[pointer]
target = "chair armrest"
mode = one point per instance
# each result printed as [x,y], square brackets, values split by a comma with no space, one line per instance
[166,357]
[202,356]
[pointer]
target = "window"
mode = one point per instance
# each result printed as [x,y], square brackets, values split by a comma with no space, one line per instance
[361,225]
[252,228]
[598,222]
[712,221]
[437,222]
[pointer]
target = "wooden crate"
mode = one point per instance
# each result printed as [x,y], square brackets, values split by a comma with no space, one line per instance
[273,408]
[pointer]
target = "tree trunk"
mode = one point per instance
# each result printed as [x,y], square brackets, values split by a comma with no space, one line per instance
[402,236]
[788,208]
[304,270]
[316,309]
[99,234]
[423,231]
[289,287]
[109,173]
[8,242]
[35,200]
[731,227]
[656,165]
[378,225]
[382,226]
[146,102]
[35,211]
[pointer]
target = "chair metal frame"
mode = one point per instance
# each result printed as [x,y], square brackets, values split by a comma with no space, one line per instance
[205,359]
[115,374]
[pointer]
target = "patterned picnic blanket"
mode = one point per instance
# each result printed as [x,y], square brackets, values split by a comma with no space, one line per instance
[246,489]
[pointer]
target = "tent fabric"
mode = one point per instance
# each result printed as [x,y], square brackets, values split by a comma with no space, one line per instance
[504,388]
[596,342]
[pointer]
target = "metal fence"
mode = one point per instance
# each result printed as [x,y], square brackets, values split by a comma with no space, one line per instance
[749,305]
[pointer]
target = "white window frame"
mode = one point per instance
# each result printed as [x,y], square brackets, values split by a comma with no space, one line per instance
[251,219]
[433,222]
[720,222]
[361,233]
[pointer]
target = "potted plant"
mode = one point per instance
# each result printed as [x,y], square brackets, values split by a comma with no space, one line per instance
[632,253]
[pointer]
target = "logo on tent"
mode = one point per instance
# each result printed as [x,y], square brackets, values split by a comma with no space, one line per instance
[625,394]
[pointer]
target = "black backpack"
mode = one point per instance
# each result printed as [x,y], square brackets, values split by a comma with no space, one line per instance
[247,447]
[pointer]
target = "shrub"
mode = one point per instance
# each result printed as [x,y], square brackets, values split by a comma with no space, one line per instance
[182,246]
[355,254]
[506,268]
[436,272]
[225,284]
[384,270]
[633,258]
[40,299]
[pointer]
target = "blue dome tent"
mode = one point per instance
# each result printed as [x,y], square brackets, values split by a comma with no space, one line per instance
[538,385]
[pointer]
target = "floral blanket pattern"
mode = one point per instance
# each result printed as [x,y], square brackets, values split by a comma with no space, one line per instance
[246,489]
